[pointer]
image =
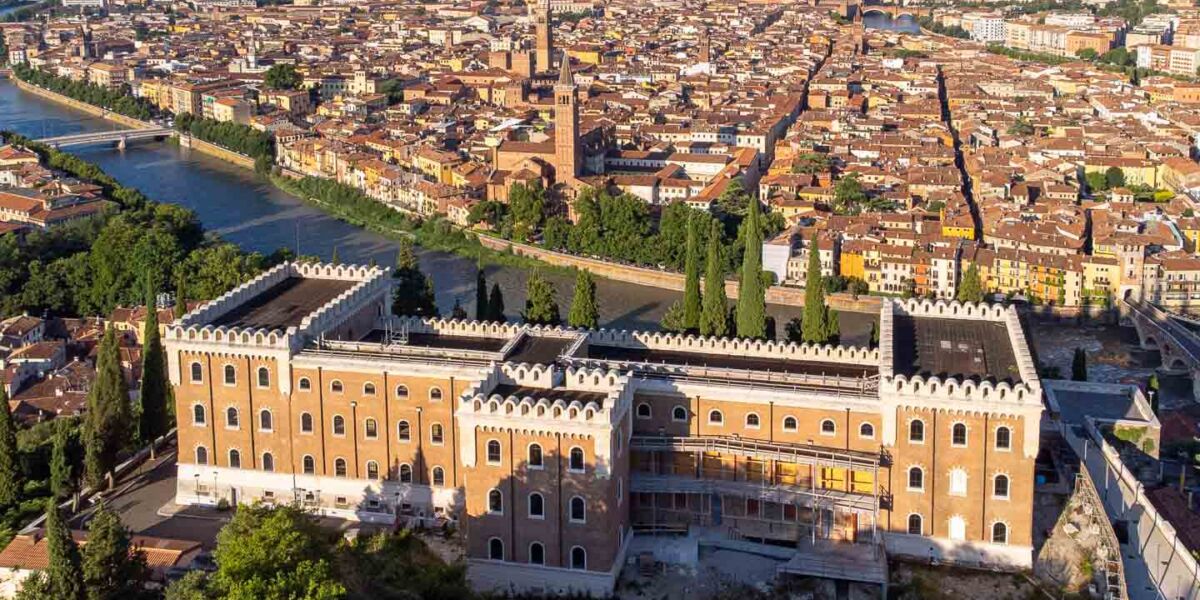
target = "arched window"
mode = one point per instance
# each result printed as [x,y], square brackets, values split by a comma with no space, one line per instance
[435,394]
[495,502]
[439,477]
[339,467]
[496,549]
[403,431]
[198,416]
[916,479]
[752,421]
[339,425]
[230,375]
[335,386]
[197,373]
[372,470]
[715,417]
[958,482]
[828,427]
[306,423]
[310,465]
[493,452]
[999,533]
[790,424]
[958,435]
[1003,438]
[305,384]
[405,474]
[537,554]
[231,418]
[866,431]
[916,431]
[268,462]
[535,456]
[537,506]
[576,463]
[435,434]
[371,429]
[1000,486]
[578,510]
[643,411]
[368,389]
[914,525]
[265,422]
[402,392]
[578,558]
[201,455]
[679,413]
[264,377]
[235,459]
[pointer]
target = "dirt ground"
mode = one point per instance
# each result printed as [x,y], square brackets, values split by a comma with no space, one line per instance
[910,581]
[1066,559]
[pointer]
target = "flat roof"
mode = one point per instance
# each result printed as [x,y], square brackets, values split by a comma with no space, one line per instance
[1112,402]
[443,342]
[726,361]
[953,348]
[539,350]
[284,304]
[566,395]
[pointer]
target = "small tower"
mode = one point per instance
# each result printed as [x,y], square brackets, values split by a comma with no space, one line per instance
[566,124]
[706,47]
[542,35]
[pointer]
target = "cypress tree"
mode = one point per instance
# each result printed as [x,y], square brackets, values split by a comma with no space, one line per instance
[692,302]
[712,316]
[481,296]
[458,312]
[108,420]
[112,567]
[541,306]
[1079,365]
[970,289]
[412,293]
[585,312]
[180,299]
[751,305]
[337,260]
[10,473]
[61,484]
[152,421]
[496,305]
[64,575]
[814,328]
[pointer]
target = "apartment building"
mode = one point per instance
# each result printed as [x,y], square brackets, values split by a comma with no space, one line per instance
[553,447]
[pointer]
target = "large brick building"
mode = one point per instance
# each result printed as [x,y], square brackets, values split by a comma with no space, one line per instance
[553,447]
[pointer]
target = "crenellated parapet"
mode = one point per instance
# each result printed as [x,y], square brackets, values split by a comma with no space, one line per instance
[657,340]
[916,307]
[953,388]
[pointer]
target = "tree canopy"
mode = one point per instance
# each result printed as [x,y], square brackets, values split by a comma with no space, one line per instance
[283,77]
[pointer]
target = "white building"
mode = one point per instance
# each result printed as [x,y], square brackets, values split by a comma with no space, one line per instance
[986,28]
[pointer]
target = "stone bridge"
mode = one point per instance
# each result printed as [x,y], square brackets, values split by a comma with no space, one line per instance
[1158,330]
[895,10]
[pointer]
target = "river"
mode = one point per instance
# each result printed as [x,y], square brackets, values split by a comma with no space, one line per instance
[904,24]
[246,209]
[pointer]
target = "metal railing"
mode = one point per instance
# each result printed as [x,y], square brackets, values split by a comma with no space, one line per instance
[799,453]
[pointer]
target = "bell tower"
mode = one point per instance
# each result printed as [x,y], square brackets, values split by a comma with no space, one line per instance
[542,35]
[566,124]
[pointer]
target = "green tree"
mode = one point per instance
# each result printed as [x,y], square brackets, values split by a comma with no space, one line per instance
[585,310]
[113,568]
[64,573]
[1114,177]
[283,77]
[481,296]
[107,422]
[1079,365]
[970,289]
[274,552]
[751,304]
[412,292]
[814,325]
[848,194]
[192,586]
[62,482]
[1087,53]
[10,472]
[673,320]
[180,298]
[1152,389]
[155,392]
[527,207]
[693,303]
[496,305]
[541,305]
[713,314]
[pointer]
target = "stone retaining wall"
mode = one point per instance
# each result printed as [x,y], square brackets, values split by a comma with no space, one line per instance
[83,106]
[211,149]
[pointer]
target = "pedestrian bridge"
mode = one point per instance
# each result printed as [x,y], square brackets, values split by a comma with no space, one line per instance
[120,137]
[1159,330]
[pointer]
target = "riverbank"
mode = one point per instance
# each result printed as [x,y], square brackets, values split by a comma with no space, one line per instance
[90,109]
